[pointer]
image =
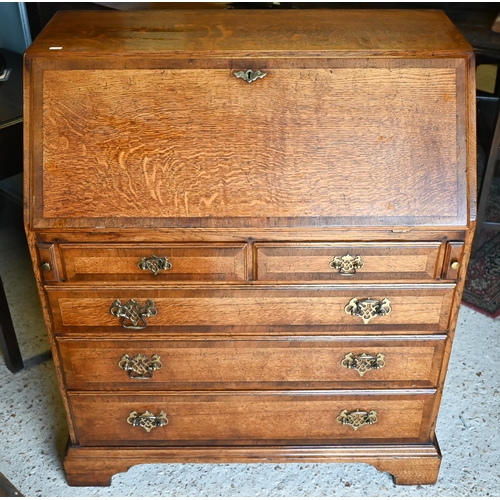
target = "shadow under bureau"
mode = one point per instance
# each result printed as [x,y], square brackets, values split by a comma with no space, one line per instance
[250,231]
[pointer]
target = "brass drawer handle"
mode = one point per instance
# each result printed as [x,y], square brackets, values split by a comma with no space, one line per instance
[363,363]
[368,308]
[147,420]
[249,75]
[347,264]
[133,314]
[140,366]
[154,264]
[357,418]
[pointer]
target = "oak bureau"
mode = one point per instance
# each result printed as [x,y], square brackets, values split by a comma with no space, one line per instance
[250,231]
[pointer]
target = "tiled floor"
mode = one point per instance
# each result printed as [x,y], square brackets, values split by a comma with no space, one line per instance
[33,431]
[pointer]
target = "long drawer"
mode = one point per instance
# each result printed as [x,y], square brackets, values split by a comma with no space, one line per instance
[168,262]
[298,363]
[250,309]
[347,262]
[201,418]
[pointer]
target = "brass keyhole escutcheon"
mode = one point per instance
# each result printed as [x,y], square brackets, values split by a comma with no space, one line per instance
[250,75]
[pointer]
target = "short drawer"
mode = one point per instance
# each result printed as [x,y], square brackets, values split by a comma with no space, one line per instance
[159,263]
[293,363]
[201,418]
[343,262]
[250,309]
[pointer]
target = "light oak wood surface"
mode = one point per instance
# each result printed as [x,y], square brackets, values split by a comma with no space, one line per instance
[145,156]
[380,261]
[253,364]
[189,262]
[306,32]
[256,308]
[256,418]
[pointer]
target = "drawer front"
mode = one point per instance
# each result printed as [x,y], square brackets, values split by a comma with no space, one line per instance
[278,152]
[250,309]
[348,262]
[171,262]
[250,418]
[261,364]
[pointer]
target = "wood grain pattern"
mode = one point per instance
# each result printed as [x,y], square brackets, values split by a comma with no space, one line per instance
[250,418]
[381,261]
[254,309]
[242,235]
[131,165]
[454,256]
[409,464]
[190,262]
[246,33]
[286,364]
[48,257]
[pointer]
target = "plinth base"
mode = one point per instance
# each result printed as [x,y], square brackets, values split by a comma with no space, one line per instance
[410,465]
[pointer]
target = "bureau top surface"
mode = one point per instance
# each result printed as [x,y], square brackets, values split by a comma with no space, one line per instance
[250,33]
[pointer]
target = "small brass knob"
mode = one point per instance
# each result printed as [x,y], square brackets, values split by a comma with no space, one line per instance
[455,265]
[46,266]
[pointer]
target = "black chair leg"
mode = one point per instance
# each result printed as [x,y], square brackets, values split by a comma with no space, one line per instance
[8,339]
[485,187]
